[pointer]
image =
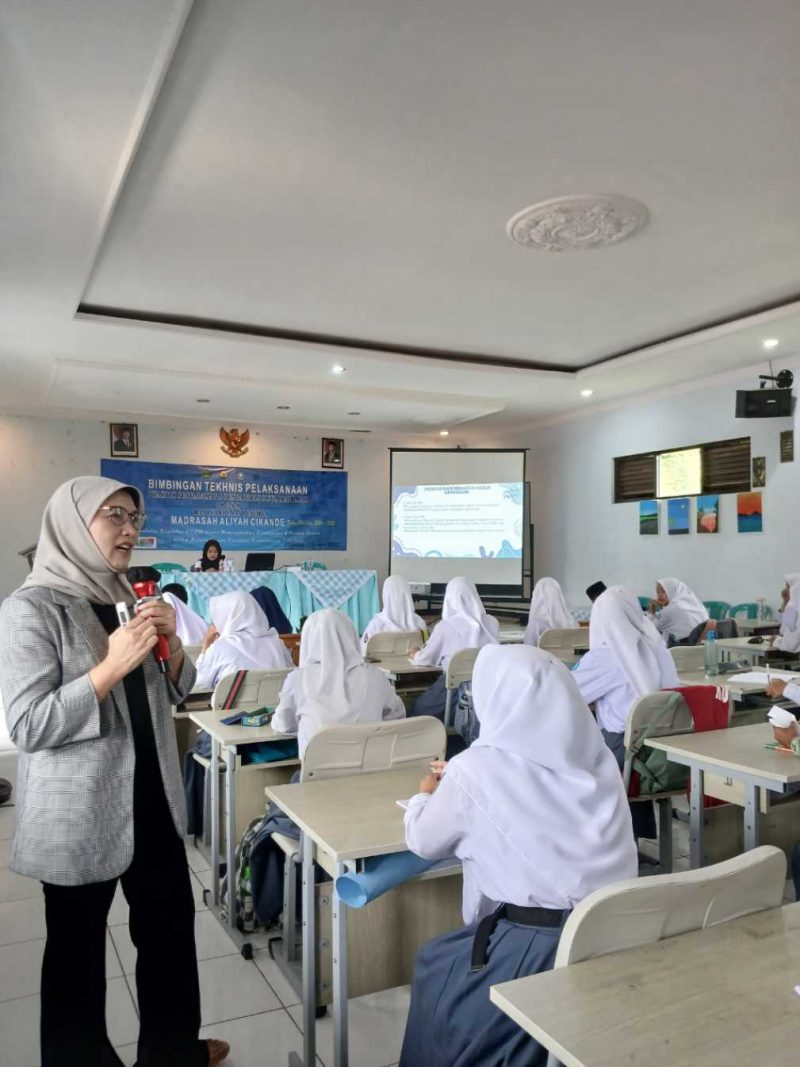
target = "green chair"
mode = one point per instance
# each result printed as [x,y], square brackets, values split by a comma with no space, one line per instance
[717,609]
[750,611]
[645,602]
[168,568]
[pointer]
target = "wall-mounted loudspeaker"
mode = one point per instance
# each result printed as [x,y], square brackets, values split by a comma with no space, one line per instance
[763,403]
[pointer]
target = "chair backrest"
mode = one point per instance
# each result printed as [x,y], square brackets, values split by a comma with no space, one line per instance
[459,667]
[366,747]
[717,609]
[644,601]
[688,657]
[392,643]
[192,651]
[658,714]
[561,639]
[727,628]
[750,611]
[168,568]
[642,911]
[260,689]
[259,561]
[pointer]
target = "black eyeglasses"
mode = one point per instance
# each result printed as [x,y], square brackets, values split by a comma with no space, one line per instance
[119,516]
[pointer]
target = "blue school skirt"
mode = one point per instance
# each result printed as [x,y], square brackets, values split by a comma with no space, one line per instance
[451,1021]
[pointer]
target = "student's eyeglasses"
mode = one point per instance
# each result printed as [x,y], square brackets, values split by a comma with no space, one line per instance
[119,516]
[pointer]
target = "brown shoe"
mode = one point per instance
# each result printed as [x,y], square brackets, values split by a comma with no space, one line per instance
[217,1051]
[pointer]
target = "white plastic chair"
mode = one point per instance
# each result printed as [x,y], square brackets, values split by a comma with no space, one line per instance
[399,643]
[459,669]
[688,657]
[643,911]
[561,643]
[260,689]
[192,652]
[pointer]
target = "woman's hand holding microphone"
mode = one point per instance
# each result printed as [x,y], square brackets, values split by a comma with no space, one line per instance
[128,647]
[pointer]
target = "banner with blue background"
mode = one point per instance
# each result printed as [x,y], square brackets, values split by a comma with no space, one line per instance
[242,507]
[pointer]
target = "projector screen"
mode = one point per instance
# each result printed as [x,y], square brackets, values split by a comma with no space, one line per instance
[458,512]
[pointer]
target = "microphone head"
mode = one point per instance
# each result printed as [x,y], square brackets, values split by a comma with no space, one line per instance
[143,574]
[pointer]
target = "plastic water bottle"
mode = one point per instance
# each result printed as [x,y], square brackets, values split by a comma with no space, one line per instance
[762,608]
[247,916]
[712,653]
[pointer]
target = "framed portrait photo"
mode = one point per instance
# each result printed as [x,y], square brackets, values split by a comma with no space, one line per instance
[333,452]
[124,439]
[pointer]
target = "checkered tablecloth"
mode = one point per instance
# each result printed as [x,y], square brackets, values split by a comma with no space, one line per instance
[333,588]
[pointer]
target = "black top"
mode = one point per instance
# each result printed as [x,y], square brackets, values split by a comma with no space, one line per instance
[149,800]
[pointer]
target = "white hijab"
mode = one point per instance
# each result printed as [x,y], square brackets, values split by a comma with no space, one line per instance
[398,613]
[244,633]
[548,609]
[465,615]
[67,558]
[334,675]
[617,623]
[681,597]
[190,626]
[545,779]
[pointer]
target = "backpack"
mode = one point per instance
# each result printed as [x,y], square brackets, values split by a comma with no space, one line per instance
[246,920]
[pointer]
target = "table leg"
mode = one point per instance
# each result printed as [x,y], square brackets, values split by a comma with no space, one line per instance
[230,833]
[213,770]
[696,819]
[309,955]
[750,816]
[340,1052]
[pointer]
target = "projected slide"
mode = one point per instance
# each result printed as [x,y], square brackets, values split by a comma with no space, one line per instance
[457,521]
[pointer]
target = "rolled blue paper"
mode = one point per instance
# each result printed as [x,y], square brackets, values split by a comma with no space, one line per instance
[382,873]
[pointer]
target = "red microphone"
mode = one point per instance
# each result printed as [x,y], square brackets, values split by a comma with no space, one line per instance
[145,584]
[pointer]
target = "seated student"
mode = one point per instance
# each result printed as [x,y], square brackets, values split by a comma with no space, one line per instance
[789,637]
[788,614]
[398,615]
[681,611]
[238,639]
[464,624]
[595,589]
[270,605]
[548,611]
[536,812]
[190,627]
[333,684]
[212,558]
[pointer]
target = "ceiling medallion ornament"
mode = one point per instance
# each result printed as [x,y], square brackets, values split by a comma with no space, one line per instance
[568,223]
[234,442]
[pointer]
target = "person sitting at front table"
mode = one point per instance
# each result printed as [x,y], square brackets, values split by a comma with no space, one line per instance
[212,558]
[681,611]
[536,812]
[595,589]
[788,640]
[464,624]
[548,611]
[239,638]
[398,615]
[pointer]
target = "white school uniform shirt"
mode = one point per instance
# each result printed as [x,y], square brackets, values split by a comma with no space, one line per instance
[684,612]
[333,685]
[225,565]
[191,627]
[626,659]
[548,611]
[535,809]
[464,624]
[246,640]
[789,638]
[398,615]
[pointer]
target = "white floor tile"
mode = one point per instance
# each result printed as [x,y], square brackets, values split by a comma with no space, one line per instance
[21,967]
[211,939]
[258,1039]
[231,987]
[121,1016]
[16,887]
[6,823]
[197,861]
[118,913]
[5,848]
[19,1026]
[198,885]
[127,1053]
[22,920]
[376,1026]
[273,974]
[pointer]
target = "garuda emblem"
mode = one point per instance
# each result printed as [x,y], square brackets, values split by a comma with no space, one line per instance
[234,443]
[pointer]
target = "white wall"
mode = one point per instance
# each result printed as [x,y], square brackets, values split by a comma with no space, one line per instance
[581,536]
[37,454]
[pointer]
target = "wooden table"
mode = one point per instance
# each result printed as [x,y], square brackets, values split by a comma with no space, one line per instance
[349,819]
[738,690]
[719,997]
[738,755]
[398,668]
[758,626]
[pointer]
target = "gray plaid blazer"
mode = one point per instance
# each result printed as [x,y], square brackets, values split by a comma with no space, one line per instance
[75,786]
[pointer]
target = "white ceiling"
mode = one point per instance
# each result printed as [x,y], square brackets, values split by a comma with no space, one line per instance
[346,170]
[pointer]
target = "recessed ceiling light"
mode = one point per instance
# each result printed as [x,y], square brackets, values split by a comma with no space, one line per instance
[444,433]
[771,342]
[201,400]
[353,412]
[337,368]
[283,407]
[587,392]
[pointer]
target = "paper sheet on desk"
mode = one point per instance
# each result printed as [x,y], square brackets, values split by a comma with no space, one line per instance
[762,677]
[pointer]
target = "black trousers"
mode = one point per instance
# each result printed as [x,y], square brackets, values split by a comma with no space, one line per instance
[157,886]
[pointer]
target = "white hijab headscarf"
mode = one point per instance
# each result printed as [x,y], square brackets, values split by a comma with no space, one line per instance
[191,627]
[67,558]
[681,597]
[466,616]
[548,609]
[334,675]
[544,777]
[398,608]
[617,623]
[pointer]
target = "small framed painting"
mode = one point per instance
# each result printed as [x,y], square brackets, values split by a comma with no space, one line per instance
[648,517]
[759,479]
[678,515]
[749,514]
[333,452]
[124,439]
[707,514]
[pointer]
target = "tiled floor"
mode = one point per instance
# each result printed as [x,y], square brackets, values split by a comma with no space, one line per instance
[249,1004]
